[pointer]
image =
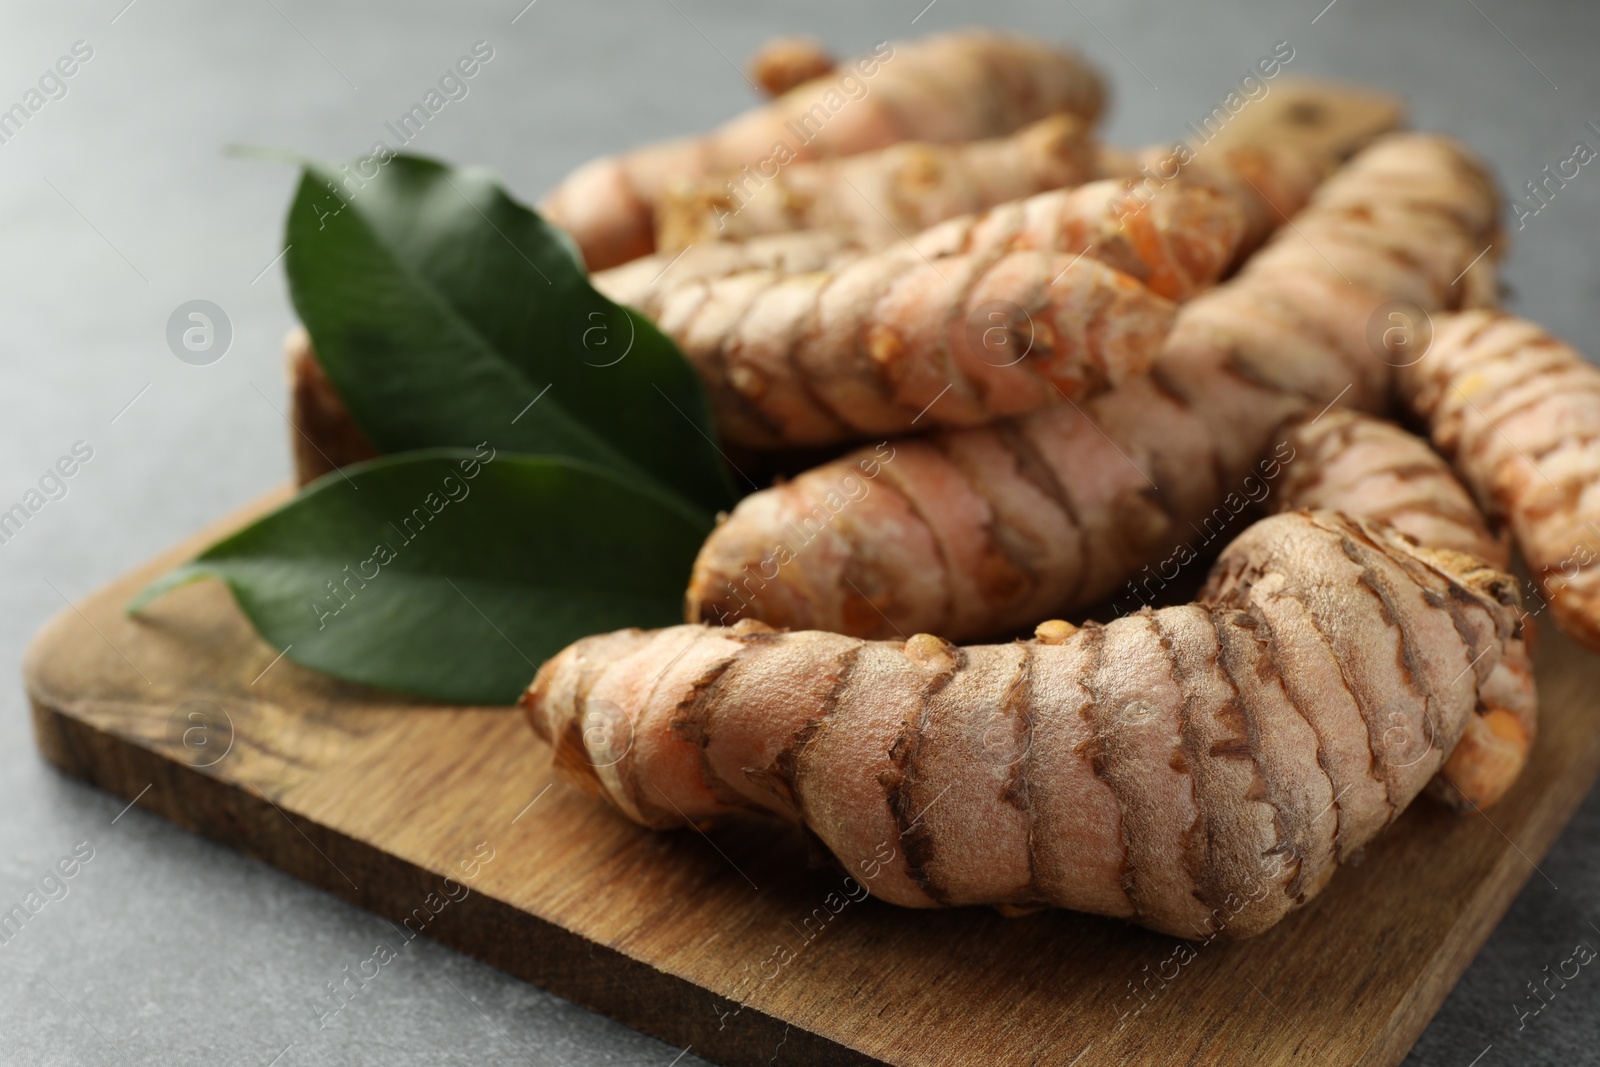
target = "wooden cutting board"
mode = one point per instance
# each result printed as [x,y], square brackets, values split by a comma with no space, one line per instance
[729,943]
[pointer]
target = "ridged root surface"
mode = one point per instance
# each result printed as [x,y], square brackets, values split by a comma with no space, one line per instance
[974,533]
[1177,244]
[950,87]
[1518,411]
[806,340]
[1269,182]
[1217,758]
[877,197]
[1374,470]
[892,341]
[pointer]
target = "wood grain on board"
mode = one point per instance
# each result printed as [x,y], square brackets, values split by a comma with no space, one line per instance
[730,943]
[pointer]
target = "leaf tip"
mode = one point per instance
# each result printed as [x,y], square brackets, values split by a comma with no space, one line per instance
[163,585]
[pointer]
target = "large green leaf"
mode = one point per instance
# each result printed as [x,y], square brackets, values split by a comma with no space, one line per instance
[446,313]
[436,574]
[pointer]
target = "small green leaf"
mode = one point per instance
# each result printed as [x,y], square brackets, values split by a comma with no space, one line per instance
[452,574]
[445,313]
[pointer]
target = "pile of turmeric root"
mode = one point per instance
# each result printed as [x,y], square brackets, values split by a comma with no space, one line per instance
[1049,373]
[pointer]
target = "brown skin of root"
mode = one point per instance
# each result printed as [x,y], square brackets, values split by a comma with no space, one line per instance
[1178,244]
[1050,301]
[980,532]
[1491,754]
[1485,762]
[978,318]
[599,206]
[878,198]
[1175,246]
[1349,462]
[865,351]
[1518,412]
[784,63]
[1275,155]
[323,436]
[950,87]
[1157,768]
[1269,182]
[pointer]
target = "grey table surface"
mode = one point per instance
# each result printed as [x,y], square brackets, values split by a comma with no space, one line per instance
[117,204]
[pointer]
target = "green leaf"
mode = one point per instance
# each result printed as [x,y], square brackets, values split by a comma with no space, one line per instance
[445,313]
[436,574]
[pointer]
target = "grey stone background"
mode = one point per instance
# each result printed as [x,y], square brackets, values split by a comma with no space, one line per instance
[117,205]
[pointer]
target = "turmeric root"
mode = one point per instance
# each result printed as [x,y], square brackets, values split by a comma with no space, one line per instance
[872,348]
[1269,162]
[1271,157]
[954,87]
[875,197]
[1229,751]
[643,283]
[784,63]
[1373,470]
[1269,182]
[1126,223]
[1518,411]
[977,318]
[979,532]
[1178,246]
[322,435]
[802,340]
